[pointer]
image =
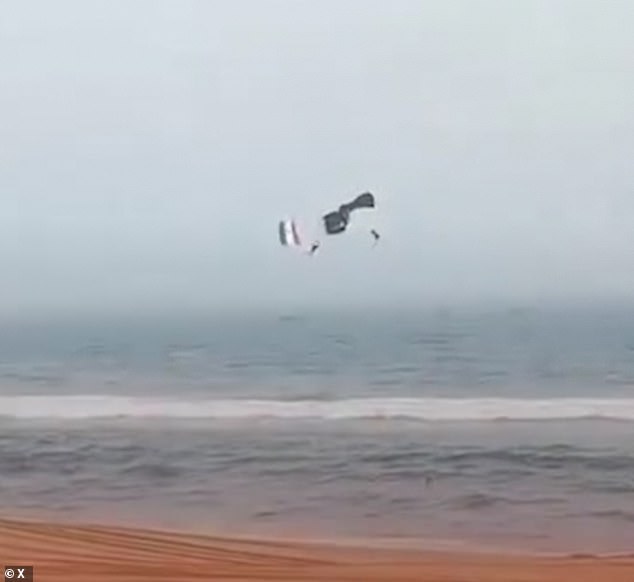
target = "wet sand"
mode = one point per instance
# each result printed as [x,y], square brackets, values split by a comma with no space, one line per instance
[98,553]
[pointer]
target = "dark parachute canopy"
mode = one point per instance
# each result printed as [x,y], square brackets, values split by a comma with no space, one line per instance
[337,221]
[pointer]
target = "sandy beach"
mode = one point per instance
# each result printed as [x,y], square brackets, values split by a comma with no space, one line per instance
[98,553]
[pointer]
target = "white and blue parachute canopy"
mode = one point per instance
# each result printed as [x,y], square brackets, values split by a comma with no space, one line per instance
[288,231]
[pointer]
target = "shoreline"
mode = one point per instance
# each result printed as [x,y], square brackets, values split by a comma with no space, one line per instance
[90,551]
[512,544]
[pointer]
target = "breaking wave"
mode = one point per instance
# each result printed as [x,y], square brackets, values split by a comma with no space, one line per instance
[422,409]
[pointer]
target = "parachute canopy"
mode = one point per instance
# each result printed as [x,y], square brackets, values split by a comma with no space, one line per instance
[289,233]
[337,221]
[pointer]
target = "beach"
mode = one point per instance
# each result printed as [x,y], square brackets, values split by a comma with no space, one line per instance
[421,447]
[299,291]
[97,553]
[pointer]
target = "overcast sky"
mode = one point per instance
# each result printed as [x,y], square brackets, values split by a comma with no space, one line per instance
[148,149]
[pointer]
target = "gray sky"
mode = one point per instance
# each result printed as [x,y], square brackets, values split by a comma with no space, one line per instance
[149,148]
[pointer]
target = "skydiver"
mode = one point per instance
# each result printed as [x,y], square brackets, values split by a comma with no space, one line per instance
[376,235]
[313,248]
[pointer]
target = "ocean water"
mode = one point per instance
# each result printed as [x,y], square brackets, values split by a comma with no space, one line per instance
[460,426]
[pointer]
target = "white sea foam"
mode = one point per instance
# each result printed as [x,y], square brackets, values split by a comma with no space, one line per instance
[425,409]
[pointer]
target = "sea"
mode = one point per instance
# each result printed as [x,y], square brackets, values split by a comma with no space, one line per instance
[452,427]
